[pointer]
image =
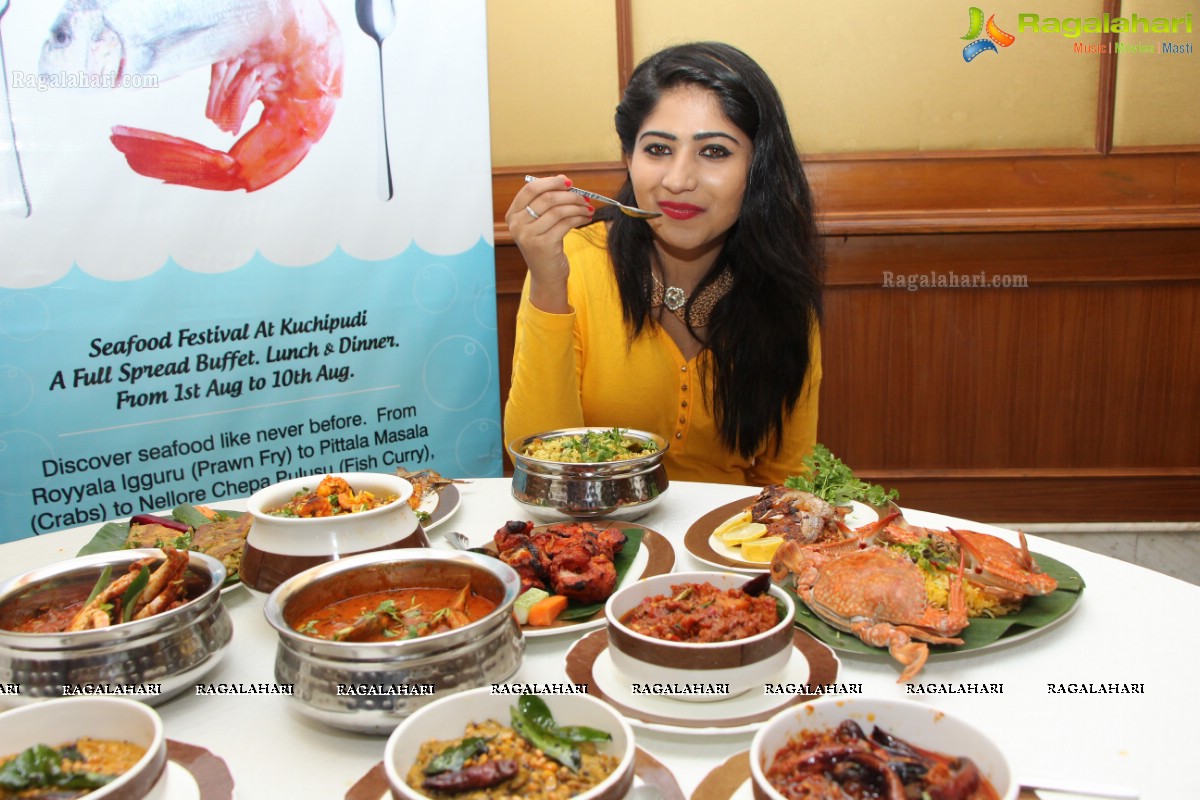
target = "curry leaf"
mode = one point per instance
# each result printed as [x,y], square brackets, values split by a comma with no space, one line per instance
[828,477]
[131,594]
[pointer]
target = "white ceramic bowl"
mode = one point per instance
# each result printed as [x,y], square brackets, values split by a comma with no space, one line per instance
[916,723]
[279,547]
[447,718]
[59,722]
[743,664]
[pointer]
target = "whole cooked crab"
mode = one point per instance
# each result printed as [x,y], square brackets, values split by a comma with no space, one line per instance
[991,562]
[876,594]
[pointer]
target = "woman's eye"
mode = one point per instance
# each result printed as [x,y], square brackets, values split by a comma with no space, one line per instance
[715,151]
[657,149]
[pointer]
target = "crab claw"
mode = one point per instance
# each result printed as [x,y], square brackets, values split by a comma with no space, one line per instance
[912,655]
[991,561]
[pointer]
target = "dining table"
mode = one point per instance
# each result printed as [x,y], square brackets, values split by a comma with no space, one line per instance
[1099,701]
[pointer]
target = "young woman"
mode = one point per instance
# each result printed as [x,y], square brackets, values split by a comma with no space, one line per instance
[700,325]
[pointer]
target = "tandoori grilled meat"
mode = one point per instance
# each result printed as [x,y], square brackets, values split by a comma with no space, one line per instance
[573,559]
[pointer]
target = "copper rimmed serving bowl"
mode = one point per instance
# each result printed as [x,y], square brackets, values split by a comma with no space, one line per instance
[447,720]
[370,687]
[58,722]
[153,658]
[555,491]
[916,723]
[726,669]
[279,547]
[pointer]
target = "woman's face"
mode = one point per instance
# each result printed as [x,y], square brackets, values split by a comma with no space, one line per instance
[690,162]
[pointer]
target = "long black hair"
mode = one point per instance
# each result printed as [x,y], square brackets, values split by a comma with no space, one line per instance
[758,334]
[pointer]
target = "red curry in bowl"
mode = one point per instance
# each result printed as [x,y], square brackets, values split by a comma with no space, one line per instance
[846,762]
[700,612]
[395,614]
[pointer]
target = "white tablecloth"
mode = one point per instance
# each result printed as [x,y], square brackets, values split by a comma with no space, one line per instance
[1131,626]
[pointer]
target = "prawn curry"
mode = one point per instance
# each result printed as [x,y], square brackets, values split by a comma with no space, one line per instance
[395,614]
[150,586]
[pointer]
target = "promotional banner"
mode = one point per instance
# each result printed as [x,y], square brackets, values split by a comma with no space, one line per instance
[240,241]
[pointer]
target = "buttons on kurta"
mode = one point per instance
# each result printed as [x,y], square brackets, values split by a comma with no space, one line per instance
[683,404]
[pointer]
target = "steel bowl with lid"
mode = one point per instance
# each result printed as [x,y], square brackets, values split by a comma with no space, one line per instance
[148,659]
[625,489]
[371,687]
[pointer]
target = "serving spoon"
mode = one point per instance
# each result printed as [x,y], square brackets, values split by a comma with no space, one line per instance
[631,211]
[459,541]
[14,194]
[377,19]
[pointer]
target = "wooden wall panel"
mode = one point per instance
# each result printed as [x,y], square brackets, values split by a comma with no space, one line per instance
[990,402]
[1074,398]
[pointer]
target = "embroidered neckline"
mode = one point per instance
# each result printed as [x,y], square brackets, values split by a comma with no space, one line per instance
[675,299]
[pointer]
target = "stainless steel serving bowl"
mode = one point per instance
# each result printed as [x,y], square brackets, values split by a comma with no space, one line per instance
[172,650]
[555,491]
[364,686]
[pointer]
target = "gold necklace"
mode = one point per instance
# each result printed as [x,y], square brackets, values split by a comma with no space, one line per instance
[675,299]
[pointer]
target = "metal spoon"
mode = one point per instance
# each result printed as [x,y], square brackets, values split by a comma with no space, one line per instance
[377,19]
[631,211]
[14,194]
[457,540]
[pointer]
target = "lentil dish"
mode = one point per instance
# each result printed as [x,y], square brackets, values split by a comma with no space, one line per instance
[537,776]
[70,770]
[593,447]
[700,612]
[333,496]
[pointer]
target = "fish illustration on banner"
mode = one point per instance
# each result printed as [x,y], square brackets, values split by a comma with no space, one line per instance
[285,54]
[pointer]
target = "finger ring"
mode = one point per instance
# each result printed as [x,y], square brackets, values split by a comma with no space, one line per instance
[532,213]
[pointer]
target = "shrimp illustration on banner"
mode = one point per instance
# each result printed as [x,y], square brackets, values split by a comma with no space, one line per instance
[284,54]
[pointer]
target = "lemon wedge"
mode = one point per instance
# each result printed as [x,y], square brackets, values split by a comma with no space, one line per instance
[740,534]
[761,550]
[732,522]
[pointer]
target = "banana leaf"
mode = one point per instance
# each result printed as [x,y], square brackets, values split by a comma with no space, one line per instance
[1036,612]
[622,561]
[112,535]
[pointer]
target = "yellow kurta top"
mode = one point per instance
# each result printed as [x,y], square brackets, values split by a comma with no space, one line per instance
[575,369]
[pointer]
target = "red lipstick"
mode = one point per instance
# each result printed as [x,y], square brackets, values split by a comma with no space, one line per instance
[680,210]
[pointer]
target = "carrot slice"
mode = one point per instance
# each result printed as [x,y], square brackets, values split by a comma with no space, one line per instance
[544,612]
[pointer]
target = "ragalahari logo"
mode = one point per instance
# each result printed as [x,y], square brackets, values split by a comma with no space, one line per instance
[994,37]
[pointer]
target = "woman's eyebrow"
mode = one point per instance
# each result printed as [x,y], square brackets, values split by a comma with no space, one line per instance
[697,137]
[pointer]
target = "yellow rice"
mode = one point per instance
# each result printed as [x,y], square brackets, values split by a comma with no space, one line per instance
[979,601]
[597,447]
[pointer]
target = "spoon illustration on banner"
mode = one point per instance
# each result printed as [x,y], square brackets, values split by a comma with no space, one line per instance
[377,19]
[14,194]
